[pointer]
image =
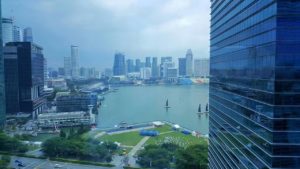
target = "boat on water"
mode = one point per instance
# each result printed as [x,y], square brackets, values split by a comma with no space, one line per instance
[200,112]
[167,104]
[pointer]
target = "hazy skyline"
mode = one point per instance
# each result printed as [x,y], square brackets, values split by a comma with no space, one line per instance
[137,28]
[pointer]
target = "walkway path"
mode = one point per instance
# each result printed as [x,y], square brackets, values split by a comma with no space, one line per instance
[99,135]
[131,159]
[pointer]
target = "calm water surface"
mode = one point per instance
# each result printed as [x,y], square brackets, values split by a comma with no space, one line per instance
[136,104]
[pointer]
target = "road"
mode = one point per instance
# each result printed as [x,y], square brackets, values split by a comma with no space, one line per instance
[32,163]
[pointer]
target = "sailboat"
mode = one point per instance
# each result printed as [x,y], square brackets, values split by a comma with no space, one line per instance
[206,108]
[199,108]
[167,104]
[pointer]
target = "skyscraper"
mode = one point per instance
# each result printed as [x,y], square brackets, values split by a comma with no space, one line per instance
[24,78]
[163,66]
[17,35]
[2,83]
[155,68]
[189,63]
[254,84]
[137,65]
[27,35]
[45,71]
[148,62]
[119,67]
[7,30]
[74,61]
[67,67]
[130,66]
[182,67]
[201,67]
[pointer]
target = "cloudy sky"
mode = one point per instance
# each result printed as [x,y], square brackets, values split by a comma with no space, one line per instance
[138,28]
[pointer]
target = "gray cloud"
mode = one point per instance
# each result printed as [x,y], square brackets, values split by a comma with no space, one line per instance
[139,28]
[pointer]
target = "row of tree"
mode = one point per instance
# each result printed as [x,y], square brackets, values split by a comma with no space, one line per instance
[72,145]
[166,155]
[11,144]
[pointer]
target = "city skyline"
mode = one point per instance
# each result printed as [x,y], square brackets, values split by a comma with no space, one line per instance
[136,33]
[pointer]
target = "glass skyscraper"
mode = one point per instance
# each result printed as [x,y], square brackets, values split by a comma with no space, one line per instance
[7,30]
[24,78]
[2,87]
[119,67]
[254,86]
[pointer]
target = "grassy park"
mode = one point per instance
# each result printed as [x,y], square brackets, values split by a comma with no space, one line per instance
[177,138]
[168,135]
[128,139]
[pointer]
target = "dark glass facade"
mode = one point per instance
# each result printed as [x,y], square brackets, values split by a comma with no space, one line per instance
[24,78]
[182,66]
[119,67]
[254,85]
[2,83]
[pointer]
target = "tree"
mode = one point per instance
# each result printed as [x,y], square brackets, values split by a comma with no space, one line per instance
[195,156]
[11,144]
[155,156]
[4,162]
[62,134]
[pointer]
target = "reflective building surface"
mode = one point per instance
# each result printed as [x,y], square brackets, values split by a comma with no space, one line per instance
[2,87]
[119,67]
[254,85]
[24,78]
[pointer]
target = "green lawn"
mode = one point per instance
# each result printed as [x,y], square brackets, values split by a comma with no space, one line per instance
[177,138]
[128,139]
[163,129]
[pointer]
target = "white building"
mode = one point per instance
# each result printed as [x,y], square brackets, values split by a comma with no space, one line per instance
[172,73]
[166,66]
[201,67]
[17,34]
[145,73]
[64,119]
[74,61]
[27,35]
[189,63]
[7,30]
[67,67]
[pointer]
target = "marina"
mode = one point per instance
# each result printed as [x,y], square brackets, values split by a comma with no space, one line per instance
[141,104]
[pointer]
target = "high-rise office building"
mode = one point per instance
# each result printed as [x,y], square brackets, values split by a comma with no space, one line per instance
[24,78]
[189,63]
[165,67]
[145,73]
[17,34]
[2,82]
[130,66]
[7,30]
[182,67]
[162,69]
[148,62]
[45,71]
[61,71]
[137,65]
[119,67]
[254,84]
[201,67]
[74,61]
[154,68]
[27,35]
[67,67]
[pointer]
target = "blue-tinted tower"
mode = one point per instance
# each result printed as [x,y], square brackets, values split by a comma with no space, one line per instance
[2,82]
[255,84]
[119,67]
